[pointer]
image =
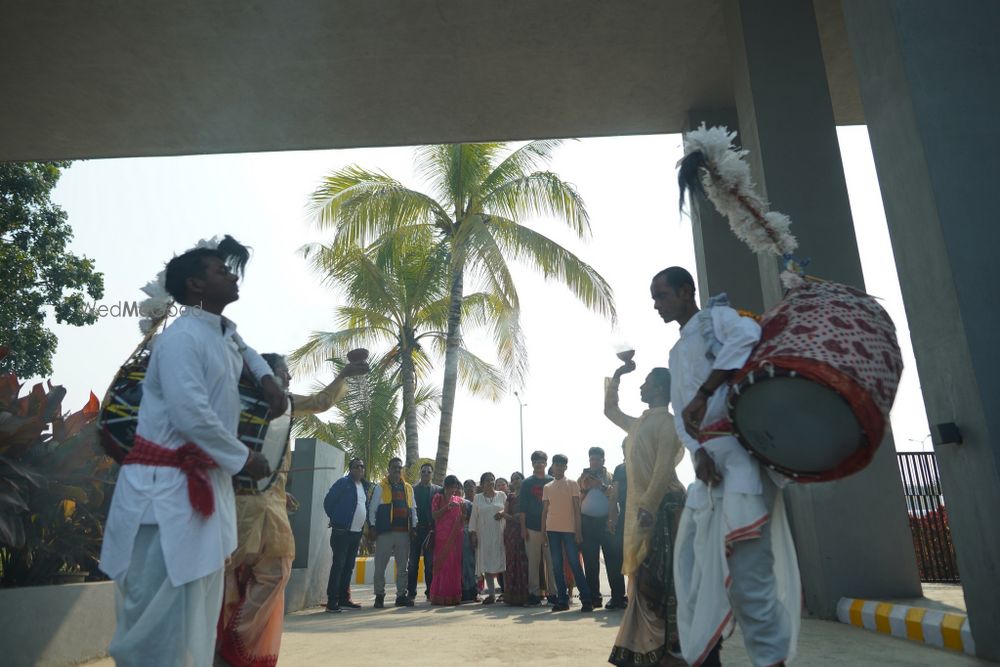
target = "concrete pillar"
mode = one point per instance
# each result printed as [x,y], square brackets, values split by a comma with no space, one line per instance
[928,78]
[852,536]
[318,465]
[723,263]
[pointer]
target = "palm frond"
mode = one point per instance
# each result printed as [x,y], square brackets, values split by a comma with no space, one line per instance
[557,263]
[492,312]
[322,346]
[541,194]
[528,158]
[361,204]
[480,377]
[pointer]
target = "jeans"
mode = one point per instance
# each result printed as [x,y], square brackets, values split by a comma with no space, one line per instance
[416,545]
[567,541]
[345,551]
[596,537]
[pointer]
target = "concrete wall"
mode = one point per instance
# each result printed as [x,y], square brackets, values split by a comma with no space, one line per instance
[928,76]
[51,626]
[310,525]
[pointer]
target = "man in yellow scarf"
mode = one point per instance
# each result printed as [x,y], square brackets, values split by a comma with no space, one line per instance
[392,523]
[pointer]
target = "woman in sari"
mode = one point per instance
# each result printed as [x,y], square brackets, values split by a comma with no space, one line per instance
[648,631]
[448,511]
[516,574]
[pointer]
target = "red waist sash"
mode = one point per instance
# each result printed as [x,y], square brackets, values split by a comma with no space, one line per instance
[190,459]
[716,429]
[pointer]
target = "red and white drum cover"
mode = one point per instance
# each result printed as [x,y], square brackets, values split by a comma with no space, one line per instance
[823,342]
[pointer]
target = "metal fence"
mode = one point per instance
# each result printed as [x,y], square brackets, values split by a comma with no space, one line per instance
[928,517]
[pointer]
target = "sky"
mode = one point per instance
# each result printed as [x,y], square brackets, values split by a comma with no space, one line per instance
[132,215]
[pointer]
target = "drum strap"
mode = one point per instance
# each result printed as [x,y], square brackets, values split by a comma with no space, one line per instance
[191,460]
[716,429]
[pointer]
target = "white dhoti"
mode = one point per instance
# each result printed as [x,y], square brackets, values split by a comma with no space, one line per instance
[159,623]
[735,561]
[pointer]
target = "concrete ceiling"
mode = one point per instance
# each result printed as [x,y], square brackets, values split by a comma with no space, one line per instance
[108,78]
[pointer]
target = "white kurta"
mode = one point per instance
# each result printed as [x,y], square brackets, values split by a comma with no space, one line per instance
[724,529]
[491,557]
[190,394]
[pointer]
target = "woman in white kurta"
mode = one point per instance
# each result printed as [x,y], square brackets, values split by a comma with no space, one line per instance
[486,531]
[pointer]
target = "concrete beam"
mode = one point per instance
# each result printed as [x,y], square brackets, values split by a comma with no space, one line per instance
[106,78]
[928,75]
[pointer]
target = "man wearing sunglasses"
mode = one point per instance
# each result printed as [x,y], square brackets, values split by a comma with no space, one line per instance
[346,504]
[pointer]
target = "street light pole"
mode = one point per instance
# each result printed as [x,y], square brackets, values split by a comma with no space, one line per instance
[520,415]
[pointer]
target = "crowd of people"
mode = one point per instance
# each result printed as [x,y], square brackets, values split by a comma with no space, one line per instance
[522,542]
[200,572]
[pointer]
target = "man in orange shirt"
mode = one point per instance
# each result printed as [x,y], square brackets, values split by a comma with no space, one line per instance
[563,532]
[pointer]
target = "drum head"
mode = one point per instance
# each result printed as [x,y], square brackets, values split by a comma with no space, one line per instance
[274,446]
[798,425]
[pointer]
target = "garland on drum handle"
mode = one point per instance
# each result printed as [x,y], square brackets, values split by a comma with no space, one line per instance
[713,166]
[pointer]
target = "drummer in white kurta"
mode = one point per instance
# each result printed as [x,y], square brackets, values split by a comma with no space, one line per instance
[170,528]
[734,559]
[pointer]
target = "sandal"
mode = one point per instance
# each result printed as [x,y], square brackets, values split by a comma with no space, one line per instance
[489,600]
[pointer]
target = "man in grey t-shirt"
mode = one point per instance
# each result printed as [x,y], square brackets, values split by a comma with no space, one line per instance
[597,517]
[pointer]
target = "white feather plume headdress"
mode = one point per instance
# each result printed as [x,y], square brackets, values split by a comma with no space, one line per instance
[715,167]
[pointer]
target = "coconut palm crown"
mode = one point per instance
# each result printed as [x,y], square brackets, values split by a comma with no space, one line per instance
[397,298]
[479,197]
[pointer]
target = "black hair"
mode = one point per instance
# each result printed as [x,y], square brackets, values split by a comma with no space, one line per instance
[689,175]
[469,481]
[451,480]
[539,455]
[427,465]
[596,451]
[396,459]
[661,376]
[560,458]
[353,461]
[482,478]
[191,264]
[677,277]
[274,360]
[518,473]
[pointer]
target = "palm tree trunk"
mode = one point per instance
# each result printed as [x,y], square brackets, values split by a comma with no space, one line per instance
[409,404]
[453,342]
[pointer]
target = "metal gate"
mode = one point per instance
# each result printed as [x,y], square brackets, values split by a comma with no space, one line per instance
[928,517]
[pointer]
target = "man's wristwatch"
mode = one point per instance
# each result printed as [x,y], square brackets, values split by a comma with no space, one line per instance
[705,392]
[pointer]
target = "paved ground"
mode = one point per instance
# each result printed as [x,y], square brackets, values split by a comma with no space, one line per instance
[499,635]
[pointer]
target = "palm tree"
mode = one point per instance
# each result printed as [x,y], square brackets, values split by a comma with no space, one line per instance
[369,423]
[480,195]
[396,296]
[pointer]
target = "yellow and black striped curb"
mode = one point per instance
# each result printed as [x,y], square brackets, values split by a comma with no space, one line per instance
[929,626]
[364,570]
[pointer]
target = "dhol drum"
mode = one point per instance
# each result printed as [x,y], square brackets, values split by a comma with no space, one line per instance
[813,400]
[120,409]
[257,430]
[262,433]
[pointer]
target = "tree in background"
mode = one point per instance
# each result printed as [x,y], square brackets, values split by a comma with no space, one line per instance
[481,194]
[369,422]
[396,293]
[37,272]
